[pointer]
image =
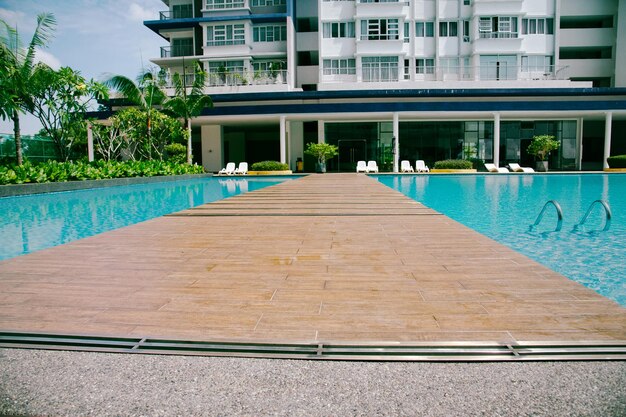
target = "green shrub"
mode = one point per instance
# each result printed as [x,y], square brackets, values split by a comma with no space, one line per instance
[478,164]
[269,166]
[453,164]
[176,153]
[617,161]
[53,171]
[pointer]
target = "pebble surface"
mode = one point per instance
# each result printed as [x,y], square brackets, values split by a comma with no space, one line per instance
[58,383]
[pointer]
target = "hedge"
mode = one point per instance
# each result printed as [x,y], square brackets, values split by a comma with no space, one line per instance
[453,164]
[269,166]
[53,171]
[617,161]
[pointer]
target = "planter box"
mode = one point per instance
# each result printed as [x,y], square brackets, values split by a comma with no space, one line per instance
[287,172]
[614,169]
[456,171]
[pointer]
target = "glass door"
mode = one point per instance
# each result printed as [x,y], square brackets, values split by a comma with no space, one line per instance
[350,152]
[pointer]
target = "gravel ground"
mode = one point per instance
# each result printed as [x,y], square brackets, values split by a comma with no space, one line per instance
[49,383]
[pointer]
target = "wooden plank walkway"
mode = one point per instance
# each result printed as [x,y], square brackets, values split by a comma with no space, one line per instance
[325,258]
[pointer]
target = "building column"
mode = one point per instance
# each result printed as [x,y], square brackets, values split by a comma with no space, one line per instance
[321,138]
[396,141]
[283,139]
[496,139]
[90,154]
[579,144]
[608,122]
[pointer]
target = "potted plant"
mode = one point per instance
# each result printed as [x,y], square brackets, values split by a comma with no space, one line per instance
[323,152]
[540,147]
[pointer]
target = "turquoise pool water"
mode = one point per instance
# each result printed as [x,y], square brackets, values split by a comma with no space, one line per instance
[503,207]
[35,222]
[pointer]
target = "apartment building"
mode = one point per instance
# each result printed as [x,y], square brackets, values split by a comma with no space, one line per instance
[391,80]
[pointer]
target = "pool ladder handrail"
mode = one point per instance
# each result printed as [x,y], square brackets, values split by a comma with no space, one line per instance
[607,210]
[559,213]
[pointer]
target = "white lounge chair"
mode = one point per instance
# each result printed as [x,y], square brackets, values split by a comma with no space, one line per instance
[420,166]
[516,168]
[405,166]
[372,166]
[229,170]
[242,169]
[361,166]
[494,168]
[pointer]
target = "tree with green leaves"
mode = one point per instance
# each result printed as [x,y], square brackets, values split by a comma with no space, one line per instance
[16,72]
[188,101]
[147,93]
[60,100]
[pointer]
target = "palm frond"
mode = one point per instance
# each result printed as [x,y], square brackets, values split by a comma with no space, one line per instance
[46,25]
[126,87]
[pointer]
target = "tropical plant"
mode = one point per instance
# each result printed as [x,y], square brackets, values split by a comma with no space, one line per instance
[542,145]
[188,104]
[453,164]
[617,161]
[146,93]
[60,100]
[16,72]
[175,152]
[322,151]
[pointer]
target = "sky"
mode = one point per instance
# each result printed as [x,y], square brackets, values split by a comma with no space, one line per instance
[98,38]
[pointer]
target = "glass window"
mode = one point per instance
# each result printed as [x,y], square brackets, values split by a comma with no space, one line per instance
[383,68]
[269,33]
[338,30]
[341,66]
[379,29]
[425,66]
[220,35]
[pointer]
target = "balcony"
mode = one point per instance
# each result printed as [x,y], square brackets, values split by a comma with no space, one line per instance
[175,14]
[176,51]
[238,79]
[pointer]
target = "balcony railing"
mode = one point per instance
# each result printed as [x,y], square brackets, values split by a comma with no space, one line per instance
[176,51]
[238,78]
[498,35]
[176,14]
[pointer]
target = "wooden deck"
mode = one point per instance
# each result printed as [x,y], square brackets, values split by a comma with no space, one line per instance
[325,258]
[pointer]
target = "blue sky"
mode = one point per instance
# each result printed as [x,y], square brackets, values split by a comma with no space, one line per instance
[96,37]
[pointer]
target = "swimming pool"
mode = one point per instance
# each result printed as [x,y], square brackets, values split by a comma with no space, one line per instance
[34,222]
[503,207]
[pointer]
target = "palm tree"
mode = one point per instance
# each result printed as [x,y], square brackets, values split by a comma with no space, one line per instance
[146,93]
[16,72]
[188,105]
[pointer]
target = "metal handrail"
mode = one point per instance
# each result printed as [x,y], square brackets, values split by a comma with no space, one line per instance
[607,210]
[559,213]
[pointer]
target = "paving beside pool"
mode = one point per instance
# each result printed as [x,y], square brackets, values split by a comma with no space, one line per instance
[333,258]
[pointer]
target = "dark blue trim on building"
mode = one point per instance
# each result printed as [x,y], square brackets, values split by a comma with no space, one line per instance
[157,25]
[437,106]
[421,93]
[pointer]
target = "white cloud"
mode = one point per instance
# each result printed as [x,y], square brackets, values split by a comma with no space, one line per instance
[48,59]
[138,14]
[11,17]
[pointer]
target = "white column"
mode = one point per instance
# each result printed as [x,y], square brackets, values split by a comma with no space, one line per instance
[396,144]
[283,139]
[608,121]
[321,138]
[90,143]
[496,139]
[579,144]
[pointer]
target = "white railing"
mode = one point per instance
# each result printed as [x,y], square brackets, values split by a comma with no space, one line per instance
[498,35]
[237,78]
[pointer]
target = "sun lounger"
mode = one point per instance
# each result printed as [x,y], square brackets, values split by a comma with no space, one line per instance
[229,170]
[405,166]
[372,166]
[494,168]
[242,169]
[361,166]
[420,166]
[516,168]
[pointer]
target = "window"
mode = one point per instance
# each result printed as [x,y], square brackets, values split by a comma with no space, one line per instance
[182,47]
[223,4]
[537,63]
[466,31]
[407,30]
[466,2]
[539,26]
[263,3]
[497,27]
[226,72]
[338,30]
[449,65]
[341,66]
[269,33]
[425,66]
[182,11]
[220,35]
[448,29]
[424,29]
[380,68]
[267,67]
[407,69]
[379,29]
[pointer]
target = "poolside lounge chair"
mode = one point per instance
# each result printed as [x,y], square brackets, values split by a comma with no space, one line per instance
[405,166]
[242,169]
[229,170]
[372,166]
[361,166]
[420,166]
[516,168]
[494,168]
